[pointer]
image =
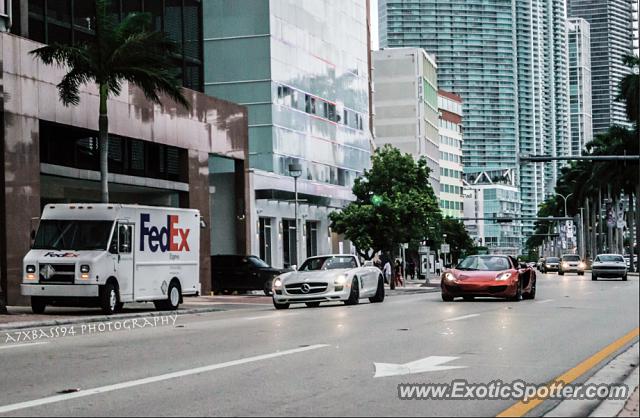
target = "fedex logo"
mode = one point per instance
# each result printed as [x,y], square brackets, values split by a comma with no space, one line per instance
[167,238]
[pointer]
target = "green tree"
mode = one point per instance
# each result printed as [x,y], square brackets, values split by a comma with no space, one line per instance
[630,88]
[129,50]
[457,237]
[394,204]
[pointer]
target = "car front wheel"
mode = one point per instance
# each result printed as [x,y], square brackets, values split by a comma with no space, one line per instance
[447,298]
[354,296]
[280,305]
[379,296]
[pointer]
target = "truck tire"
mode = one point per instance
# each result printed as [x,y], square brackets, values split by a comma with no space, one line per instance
[173,298]
[38,305]
[109,298]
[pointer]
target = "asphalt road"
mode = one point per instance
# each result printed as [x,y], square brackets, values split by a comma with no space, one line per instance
[319,361]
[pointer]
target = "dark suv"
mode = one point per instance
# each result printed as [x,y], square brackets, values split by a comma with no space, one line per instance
[241,273]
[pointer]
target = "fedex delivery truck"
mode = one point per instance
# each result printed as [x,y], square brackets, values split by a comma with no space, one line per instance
[108,254]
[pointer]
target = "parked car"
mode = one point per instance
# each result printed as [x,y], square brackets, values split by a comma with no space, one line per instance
[571,263]
[241,273]
[551,264]
[610,266]
[496,276]
[329,278]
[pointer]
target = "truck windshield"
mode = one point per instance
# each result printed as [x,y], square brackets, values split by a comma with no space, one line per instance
[73,235]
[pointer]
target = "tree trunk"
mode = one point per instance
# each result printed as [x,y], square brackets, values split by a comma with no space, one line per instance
[586,245]
[103,135]
[392,279]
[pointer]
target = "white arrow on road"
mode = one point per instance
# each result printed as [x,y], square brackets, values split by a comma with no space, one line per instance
[427,364]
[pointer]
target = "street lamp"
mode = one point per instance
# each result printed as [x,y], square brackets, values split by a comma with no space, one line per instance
[295,171]
[565,209]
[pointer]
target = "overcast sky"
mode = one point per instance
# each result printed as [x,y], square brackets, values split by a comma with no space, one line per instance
[374,25]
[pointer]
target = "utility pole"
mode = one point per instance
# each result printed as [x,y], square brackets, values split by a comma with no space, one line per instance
[295,171]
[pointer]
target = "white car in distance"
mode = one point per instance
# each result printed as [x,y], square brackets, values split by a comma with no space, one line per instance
[329,278]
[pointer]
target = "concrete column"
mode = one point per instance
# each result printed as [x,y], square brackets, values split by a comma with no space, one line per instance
[19,197]
[198,198]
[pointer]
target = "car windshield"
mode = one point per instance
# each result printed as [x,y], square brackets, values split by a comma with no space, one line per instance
[571,258]
[73,235]
[258,262]
[484,263]
[553,260]
[610,259]
[328,263]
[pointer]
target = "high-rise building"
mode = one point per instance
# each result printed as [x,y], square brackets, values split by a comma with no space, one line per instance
[301,68]
[636,32]
[493,194]
[611,39]
[509,62]
[451,168]
[580,84]
[406,105]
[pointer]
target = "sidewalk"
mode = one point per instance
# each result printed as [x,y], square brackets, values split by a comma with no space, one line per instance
[21,317]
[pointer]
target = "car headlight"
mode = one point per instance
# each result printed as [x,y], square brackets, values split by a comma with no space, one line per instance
[582,265]
[277,283]
[503,276]
[565,265]
[85,268]
[449,277]
[340,280]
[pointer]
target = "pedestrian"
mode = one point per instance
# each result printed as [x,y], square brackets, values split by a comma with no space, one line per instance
[387,272]
[398,278]
[438,267]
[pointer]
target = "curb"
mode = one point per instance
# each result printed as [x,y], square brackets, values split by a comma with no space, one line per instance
[417,290]
[102,318]
[619,370]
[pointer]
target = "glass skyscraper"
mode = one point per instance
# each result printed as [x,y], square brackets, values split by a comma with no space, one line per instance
[611,39]
[301,68]
[508,62]
[580,84]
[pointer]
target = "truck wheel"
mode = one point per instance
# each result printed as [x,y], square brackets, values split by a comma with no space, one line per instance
[38,305]
[109,299]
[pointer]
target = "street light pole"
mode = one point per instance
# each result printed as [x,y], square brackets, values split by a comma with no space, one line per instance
[565,211]
[295,171]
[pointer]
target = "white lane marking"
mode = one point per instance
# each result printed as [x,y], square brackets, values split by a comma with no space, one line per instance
[428,364]
[6,347]
[272,316]
[459,318]
[545,301]
[132,383]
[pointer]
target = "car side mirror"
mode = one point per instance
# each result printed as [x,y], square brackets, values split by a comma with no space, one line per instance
[448,266]
[33,235]
[294,267]
[368,263]
[523,265]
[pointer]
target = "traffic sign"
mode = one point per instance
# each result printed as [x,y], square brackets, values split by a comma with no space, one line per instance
[423,249]
[445,248]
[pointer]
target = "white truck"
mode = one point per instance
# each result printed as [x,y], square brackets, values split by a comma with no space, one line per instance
[110,254]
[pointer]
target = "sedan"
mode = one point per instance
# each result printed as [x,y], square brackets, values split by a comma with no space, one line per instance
[551,264]
[494,276]
[609,265]
[329,278]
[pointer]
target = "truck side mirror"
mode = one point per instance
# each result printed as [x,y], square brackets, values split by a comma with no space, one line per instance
[203,223]
[33,235]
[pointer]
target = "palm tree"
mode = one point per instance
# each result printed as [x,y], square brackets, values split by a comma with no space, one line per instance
[630,88]
[126,51]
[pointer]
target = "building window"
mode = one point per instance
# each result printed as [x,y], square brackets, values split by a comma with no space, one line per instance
[73,21]
[289,242]
[265,239]
[78,148]
[312,239]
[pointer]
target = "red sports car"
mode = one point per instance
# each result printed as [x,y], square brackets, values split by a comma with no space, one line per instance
[496,276]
